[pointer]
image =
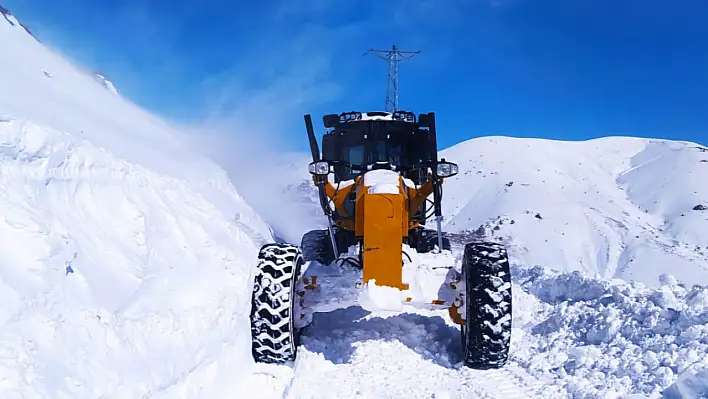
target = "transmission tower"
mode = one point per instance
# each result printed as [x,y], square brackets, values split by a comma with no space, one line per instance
[393,57]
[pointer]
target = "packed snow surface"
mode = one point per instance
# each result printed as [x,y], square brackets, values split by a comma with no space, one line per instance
[573,336]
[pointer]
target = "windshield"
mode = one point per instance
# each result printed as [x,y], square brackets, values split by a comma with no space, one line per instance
[354,155]
[394,154]
[379,151]
[353,150]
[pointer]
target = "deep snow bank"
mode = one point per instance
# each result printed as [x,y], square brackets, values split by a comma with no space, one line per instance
[596,338]
[114,280]
[125,257]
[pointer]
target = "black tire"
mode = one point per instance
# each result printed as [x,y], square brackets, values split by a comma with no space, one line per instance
[316,245]
[486,335]
[274,337]
[345,239]
[424,240]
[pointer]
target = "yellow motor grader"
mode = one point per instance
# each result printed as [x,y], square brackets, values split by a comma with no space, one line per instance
[372,254]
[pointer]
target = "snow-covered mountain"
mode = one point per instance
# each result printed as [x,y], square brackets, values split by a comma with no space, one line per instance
[126,261]
[621,207]
[125,257]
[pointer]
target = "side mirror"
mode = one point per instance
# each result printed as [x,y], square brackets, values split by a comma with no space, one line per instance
[319,168]
[446,169]
[331,120]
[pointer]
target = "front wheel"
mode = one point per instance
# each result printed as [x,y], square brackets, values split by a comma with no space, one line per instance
[274,336]
[486,334]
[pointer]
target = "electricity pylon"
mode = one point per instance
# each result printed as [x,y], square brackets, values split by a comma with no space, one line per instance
[393,56]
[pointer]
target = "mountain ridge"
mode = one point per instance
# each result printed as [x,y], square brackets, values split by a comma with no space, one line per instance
[617,192]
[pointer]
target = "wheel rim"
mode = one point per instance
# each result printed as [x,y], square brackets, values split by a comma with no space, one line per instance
[463,330]
[291,323]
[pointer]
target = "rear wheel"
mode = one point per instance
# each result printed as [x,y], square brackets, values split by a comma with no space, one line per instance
[316,245]
[424,240]
[274,337]
[486,334]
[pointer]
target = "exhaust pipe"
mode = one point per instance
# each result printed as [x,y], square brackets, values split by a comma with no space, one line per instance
[324,203]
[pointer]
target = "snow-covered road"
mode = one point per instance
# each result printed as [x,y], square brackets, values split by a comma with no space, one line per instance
[350,353]
[573,336]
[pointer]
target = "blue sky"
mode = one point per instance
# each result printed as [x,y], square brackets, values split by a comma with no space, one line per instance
[542,68]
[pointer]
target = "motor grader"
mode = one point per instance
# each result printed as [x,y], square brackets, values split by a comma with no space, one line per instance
[384,168]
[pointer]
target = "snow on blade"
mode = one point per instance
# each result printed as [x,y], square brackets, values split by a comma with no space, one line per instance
[375,297]
[382,181]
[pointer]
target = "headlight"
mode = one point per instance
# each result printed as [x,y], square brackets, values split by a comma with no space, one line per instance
[320,168]
[446,169]
[404,116]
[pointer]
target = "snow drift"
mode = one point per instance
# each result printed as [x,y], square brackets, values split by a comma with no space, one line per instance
[595,338]
[125,258]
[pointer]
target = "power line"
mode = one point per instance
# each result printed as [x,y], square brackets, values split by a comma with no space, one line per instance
[393,56]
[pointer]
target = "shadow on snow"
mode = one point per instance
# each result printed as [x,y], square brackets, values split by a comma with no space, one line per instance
[336,334]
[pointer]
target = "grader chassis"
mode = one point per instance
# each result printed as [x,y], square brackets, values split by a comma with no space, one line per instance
[372,254]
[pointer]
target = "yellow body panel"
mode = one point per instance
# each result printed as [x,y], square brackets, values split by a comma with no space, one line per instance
[382,239]
[382,220]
